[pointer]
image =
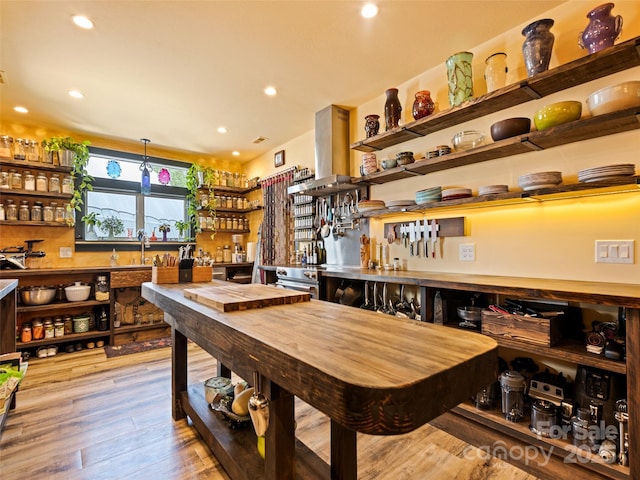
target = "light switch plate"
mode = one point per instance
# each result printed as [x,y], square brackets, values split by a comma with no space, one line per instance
[467,252]
[615,251]
[66,252]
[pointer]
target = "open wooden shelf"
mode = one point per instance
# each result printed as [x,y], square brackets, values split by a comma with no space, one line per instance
[7,162]
[606,62]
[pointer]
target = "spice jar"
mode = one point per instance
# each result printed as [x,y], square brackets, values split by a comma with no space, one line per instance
[4,180]
[33,150]
[49,331]
[19,150]
[23,212]
[29,181]
[102,289]
[67,184]
[38,329]
[59,214]
[11,210]
[15,179]
[68,324]
[36,212]
[54,183]
[42,183]
[47,214]
[5,146]
[58,328]
[26,335]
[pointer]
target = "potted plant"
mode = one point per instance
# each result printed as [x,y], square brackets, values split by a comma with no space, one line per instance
[165,228]
[182,227]
[91,221]
[113,225]
[199,177]
[71,153]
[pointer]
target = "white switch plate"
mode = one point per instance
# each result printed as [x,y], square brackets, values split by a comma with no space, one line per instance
[65,252]
[467,252]
[615,251]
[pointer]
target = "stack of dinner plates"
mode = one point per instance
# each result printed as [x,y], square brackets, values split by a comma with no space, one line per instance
[399,203]
[597,174]
[493,189]
[433,194]
[366,205]
[455,193]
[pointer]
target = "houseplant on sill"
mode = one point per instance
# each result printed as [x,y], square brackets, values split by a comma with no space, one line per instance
[75,155]
[113,225]
[91,221]
[182,227]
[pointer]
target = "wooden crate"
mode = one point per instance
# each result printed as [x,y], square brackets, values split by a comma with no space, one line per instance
[202,274]
[535,330]
[164,274]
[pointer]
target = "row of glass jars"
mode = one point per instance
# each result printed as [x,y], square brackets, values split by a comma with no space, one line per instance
[221,178]
[222,223]
[221,201]
[39,182]
[19,148]
[36,212]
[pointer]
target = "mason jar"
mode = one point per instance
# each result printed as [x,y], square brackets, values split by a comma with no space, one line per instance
[29,181]
[102,289]
[36,212]
[15,179]
[4,180]
[67,184]
[2,215]
[59,214]
[33,150]
[19,149]
[42,183]
[6,146]
[47,214]
[54,183]
[23,211]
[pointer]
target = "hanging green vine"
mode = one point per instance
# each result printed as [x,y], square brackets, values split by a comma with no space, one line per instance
[199,178]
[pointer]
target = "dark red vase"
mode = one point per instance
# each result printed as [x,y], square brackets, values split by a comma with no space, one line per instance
[423,105]
[392,109]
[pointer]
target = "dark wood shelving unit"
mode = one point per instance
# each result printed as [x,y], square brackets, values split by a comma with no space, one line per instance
[61,306]
[33,193]
[7,162]
[69,337]
[606,62]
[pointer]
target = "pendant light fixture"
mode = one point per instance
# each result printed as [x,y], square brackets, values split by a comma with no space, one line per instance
[145,168]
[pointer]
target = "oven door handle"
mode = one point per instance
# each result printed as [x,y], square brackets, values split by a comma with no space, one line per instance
[298,286]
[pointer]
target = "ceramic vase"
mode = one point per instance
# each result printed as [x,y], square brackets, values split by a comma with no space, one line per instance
[423,105]
[537,46]
[459,76]
[372,125]
[495,72]
[602,30]
[164,235]
[392,109]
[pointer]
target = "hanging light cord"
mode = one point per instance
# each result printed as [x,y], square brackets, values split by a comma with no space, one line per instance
[145,160]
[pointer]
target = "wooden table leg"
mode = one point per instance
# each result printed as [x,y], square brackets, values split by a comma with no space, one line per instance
[222,370]
[178,371]
[344,459]
[280,439]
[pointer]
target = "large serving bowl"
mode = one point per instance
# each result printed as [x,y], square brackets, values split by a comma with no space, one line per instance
[77,292]
[611,99]
[557,114]
[467,139]
[37,295]
[510,127]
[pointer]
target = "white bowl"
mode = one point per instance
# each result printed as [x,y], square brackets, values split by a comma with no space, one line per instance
[612,99]
[77,292]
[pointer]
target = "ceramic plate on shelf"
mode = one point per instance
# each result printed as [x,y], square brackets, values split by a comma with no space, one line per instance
[400,203]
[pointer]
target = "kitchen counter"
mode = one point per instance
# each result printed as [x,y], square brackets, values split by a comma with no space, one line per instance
[369,373]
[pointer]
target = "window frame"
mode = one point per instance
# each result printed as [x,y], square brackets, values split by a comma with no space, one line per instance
[128,187]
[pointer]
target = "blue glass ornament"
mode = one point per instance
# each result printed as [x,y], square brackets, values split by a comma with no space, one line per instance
[113,169]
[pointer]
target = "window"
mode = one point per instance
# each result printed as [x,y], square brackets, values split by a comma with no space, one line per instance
[117,201]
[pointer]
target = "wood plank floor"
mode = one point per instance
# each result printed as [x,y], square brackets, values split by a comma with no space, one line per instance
[84,416]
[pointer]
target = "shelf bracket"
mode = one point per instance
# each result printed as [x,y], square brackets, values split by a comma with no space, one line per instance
[524,85]
[530,144]
[411,172]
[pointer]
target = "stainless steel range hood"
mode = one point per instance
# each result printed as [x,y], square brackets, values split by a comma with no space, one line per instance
[332,154]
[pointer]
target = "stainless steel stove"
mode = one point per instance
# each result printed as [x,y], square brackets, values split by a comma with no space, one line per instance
[299,278]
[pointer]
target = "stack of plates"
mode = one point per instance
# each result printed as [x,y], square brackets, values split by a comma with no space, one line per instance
[608,172]
[453,193]
[439,151]
[493,189]
[366,205]
[433,194]
[533,181]
[400,203]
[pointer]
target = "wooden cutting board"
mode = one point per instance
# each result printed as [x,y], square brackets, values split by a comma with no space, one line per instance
[230,298]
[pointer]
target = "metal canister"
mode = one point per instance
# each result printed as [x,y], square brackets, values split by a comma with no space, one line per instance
[544,415]
[512,384]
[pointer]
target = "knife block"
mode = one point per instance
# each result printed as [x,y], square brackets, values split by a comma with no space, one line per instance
[164,274]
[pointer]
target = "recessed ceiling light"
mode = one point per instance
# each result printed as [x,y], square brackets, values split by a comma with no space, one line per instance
[235,153]
[76,94]
[271,91]
[82,22]
[369,10]
[222,130]
[20,109]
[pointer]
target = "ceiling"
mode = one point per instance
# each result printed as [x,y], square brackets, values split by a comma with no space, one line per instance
[174,71]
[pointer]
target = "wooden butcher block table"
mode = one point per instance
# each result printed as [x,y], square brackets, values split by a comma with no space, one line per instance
[368,372]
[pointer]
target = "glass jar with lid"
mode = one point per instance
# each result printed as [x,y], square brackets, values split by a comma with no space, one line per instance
[47,213]
[210,223]
[23,211]
[49,331]
[33,150]
[202,221]
[234,223]
[42,183]
[219,255]
[102,289]
[4,180]
[226,252]
[36,212]
[229,202]
[229,223]
[67,184]
[26,335]
[69,214]
[15,178]
[6,146]
[54,183]
[59,214]
[19,149]
[2,215]
[29,181]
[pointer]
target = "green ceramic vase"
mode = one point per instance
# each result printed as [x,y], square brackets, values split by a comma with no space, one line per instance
[459,76]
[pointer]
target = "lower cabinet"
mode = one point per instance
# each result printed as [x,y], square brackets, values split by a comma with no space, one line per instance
[574,408]
[63,326]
